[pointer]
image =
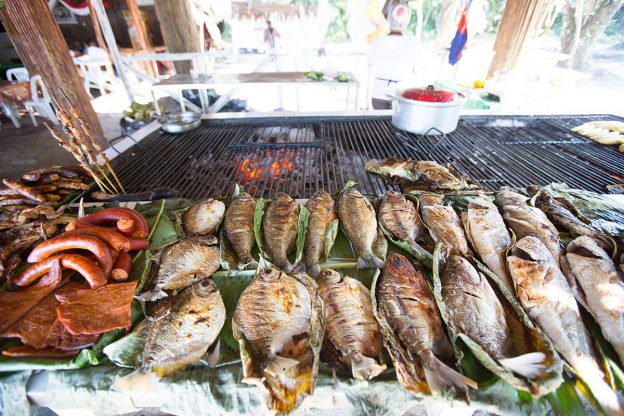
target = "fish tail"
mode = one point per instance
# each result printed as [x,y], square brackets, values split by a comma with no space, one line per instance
[152,295]
[284,265]
[279,365]
[365,368]
[441,377]
[247,262]
[137,382]
[527,365]
[370,260]
[315,270]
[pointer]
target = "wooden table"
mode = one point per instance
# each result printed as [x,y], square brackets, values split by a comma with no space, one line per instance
[11,94]
[183,82]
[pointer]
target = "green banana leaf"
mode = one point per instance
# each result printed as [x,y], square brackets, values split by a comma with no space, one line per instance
[521,328]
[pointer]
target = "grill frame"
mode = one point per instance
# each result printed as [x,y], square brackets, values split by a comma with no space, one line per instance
[326,151]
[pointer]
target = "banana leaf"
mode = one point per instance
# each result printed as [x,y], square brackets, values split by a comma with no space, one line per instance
[521,328]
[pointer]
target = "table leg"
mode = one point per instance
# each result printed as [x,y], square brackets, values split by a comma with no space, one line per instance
[156,106]
[6,108]
[181,98]
[357,96]
[348,95]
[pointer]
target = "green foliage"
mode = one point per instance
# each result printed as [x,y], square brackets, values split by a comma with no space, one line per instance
[337,29]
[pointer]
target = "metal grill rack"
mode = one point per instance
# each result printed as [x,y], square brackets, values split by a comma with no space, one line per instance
[304,154]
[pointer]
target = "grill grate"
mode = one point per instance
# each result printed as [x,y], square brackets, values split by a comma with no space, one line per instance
[300,156]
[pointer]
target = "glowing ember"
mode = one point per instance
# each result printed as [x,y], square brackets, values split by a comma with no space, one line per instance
[252,168]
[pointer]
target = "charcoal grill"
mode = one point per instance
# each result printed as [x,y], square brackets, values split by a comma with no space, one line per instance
[300,155]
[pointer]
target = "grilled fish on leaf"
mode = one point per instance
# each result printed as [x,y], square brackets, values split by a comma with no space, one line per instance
[238,226]
[474,309]
[358,222]
[279,227]
[203,217]
[443,223]
[418,345]
[545,295]
[561,215]
[525,220]
[603,288]
[353,341]
[180,337]
[429,174]
[398,216]
[488,234]
[184,263]
[278,323]
[322,212]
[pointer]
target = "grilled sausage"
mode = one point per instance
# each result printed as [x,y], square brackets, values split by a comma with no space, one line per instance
[122,267]
[88,269]
[141,229]
[112,238]
[125,225]
[139,243]
[86,242]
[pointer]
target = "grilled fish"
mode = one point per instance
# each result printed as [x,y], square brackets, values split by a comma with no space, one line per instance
[602,286]
[398,216]
[322,212]
[358,222]
[352,342]
[180,337]
[406,303]
[473,308]
[203,217]
[545,295]
[279,227]
[277,323]
[184,263]
[488,234]
[526,220]
[430,174]
[559,213]
[238,226]
[443,223]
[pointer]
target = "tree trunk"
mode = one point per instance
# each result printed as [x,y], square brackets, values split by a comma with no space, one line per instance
[42,49]
[593,26]
[139,25]
[96,28]
[178,28]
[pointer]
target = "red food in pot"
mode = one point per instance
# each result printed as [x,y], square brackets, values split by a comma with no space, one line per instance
[429,94]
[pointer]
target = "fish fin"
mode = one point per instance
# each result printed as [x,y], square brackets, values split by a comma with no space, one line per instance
[370,260]
[137,382]
[279,364]
[315,271]
[527,365]
[440,376]
[418,248]
[152,295]
[247,263]
[365,368]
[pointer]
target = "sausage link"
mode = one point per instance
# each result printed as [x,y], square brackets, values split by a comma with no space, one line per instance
[139,244]
[88,269]
[115,214]
[126,226]
[122,267]
[112,238]
[85,242]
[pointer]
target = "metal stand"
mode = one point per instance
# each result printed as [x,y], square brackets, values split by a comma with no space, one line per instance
[407,139]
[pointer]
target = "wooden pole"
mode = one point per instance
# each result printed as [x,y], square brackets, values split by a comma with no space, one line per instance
[109,36]
[516,23]
[43,50]
[96,28]
[179,30]
[139,25]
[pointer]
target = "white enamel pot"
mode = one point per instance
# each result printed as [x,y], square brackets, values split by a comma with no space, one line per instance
[422,117]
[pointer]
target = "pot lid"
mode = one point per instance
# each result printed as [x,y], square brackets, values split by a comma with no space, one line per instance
[429,94]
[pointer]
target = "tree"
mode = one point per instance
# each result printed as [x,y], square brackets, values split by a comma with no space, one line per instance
[581,28]
[179,29]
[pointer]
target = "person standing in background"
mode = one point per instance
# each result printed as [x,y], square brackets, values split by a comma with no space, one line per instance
[392,57]
[270,35]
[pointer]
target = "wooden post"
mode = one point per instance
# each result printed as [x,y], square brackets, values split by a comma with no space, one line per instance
[179,29]
[43,50]
[139,25]
[517,23]
[96,28]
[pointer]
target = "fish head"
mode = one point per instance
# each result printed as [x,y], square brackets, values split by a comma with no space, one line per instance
[268,274]
[529,263]
[481,202]
[329,277]
[426,200]
[208,240]
[205,288]
[459,272]
[587,247]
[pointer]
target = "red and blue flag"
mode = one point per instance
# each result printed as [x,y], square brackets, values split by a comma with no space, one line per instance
[461,37]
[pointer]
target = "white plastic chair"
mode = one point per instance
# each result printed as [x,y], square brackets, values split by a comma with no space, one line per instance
[17,74]
[41,103]
[97,70]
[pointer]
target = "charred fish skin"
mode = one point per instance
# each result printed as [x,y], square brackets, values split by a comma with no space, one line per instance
[399,217]
[322,210]
[279,227]
[488,234]
[562,216]
[274,320]
[353,339]
[358,222]
[544,293]
[184,263]
[406,303]
[443,223]
[203,217]
[238,225]
[393,168]
[525,220]
[184,335]
[595,272]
